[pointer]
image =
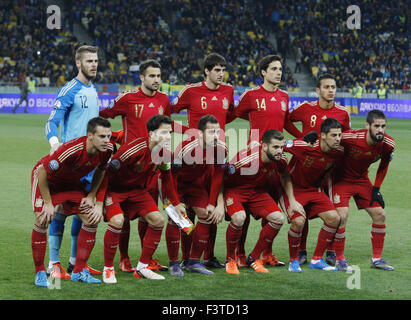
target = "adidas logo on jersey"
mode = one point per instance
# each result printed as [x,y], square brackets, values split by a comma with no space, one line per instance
[273,99]
[214,98]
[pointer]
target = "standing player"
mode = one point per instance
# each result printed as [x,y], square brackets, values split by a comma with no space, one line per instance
[362,148]
[197,161]
[136,107]
[212,97]
[132,166]
[24,92]
[247,187]
[76,104]
[56,180]
[311,115]
[308,167]
[266,108]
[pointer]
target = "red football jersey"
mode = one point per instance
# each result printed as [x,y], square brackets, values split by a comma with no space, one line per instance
[265,110]
[199,101]
[312,116]
[309,164]
[136,108]
[251,172]
[359,155]
[70,162]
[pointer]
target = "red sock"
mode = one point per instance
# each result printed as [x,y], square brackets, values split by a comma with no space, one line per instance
[111,241]
[304,236]
[243,236]
[173,241]
[150,243]
[85,244]
[339,243]
[124,239]
[325,236]
[269,248]
[294,239]
[201,235]
[38,247]
[267,235]
[209,249]
[233,236]
[142,229]
[377,240]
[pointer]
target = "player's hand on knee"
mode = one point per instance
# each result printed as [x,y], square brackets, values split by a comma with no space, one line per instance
[46,215]
[86,205]
[96,214]
[377,196]
[295,206]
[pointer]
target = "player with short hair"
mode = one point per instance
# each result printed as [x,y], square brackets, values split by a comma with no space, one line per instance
[308,167]
[136,107]
[246,187]
[131,167]
[214,97]
[56,180]
[311,115]
[362,147]
[76,103]
[198,168]
[265,107]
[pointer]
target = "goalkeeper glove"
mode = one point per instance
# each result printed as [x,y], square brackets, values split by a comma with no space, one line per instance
[311,137]
[377,196]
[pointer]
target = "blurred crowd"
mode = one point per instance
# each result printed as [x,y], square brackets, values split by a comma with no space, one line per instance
[179,33]
[376,55]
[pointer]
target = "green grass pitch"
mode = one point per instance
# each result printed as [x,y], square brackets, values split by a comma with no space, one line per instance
[23,143]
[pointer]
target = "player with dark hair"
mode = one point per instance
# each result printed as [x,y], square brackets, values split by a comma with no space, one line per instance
[136,107]
[246,187]
[308,167]
[198,164]
[214,97]
[56,180]
[130,169]
[76,103]
[311,115]
[265,107]
[362,148]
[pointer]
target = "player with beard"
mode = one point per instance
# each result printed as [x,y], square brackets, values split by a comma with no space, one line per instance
[76,104]
[136,107]
[362,147]
[311,115]
[246,187]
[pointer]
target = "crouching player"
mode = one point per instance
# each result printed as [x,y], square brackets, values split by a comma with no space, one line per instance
[130,170]
[363,147]
[245,187]
[56,180]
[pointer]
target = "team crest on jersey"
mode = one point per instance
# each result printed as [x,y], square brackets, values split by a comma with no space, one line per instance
[39,203]
[115,164]
[109,201]
[229,201]
[54,165]
[225,103]
[161,110]
[283,106]
[336,198]
[57,104]
[324,117]
[289,143]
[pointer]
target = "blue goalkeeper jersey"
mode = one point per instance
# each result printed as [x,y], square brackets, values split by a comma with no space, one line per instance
[75,105]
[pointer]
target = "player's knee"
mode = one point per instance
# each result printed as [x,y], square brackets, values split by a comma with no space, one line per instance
[156,219]
[117,221]
[378,216]
[238,218]
[298,223]
[332,218]
[201,213]
[276,217]
[343,213]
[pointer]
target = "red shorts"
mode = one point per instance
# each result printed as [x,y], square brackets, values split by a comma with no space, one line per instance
[69,196]
[133,203]
[360,189]
[259,204]
[314,202]
[193,195]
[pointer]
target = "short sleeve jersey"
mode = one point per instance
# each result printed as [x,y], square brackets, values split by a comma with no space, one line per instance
[136,108]
[359,155]
[265,110]
[309,164]
[199,101]
[71,162]
[311,115]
